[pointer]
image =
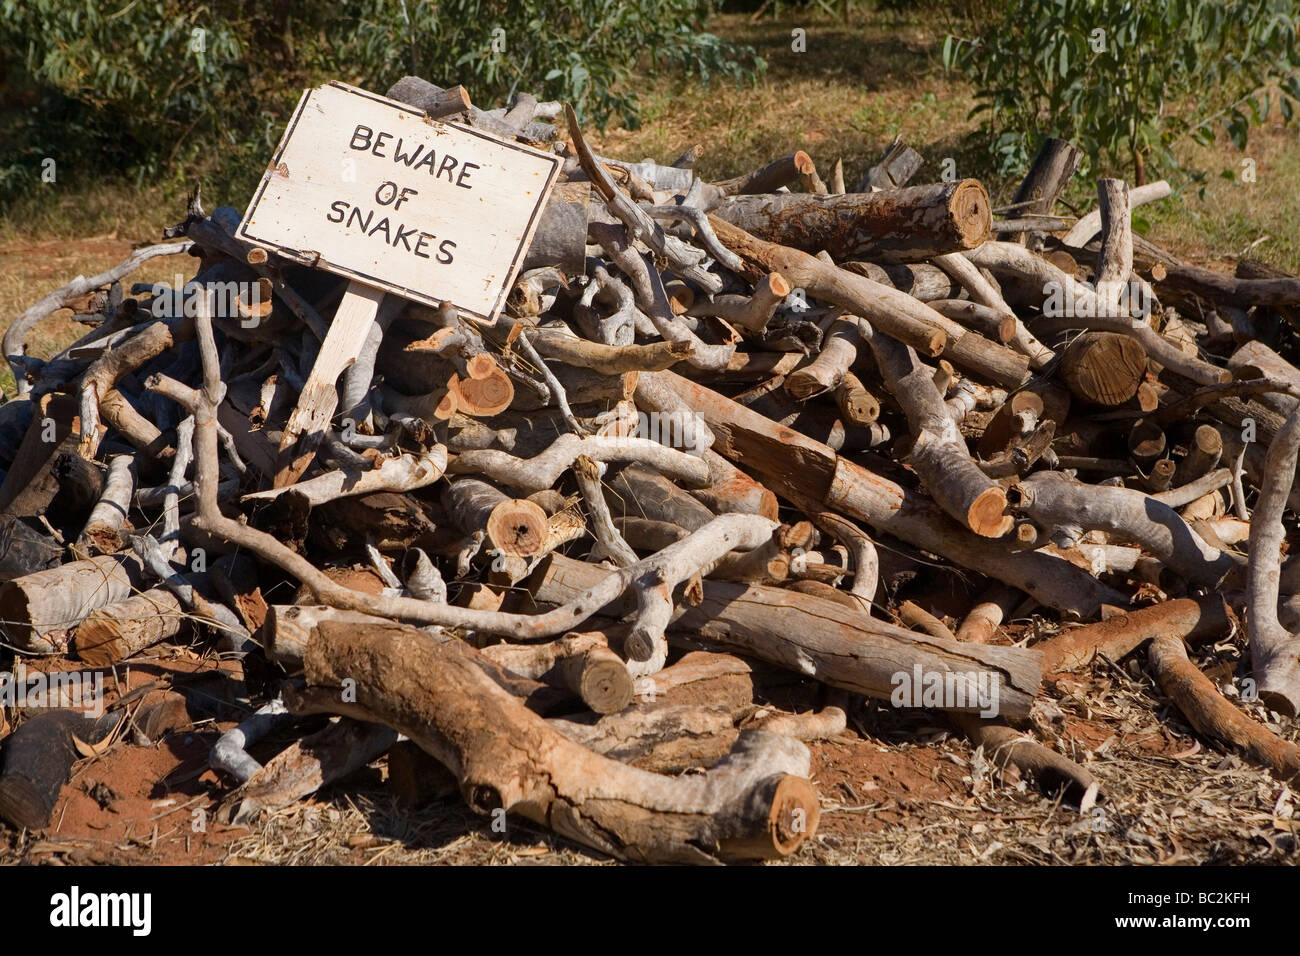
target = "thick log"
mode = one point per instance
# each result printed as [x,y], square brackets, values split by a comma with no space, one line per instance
[1104,368]
[116,631]
[40,610]
[561,236]
[897,225]
[755,803]
[840,646]
[514,526]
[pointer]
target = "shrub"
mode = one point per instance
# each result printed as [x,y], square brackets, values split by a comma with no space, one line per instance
[1126,79]
[170,81]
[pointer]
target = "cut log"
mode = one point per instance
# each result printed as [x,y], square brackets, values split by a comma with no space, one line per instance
[1104,368]
[40,610]
[756,803]
[581,662]
[893,312]
[827,370]
[117,631]
[898,225]
[769,178]
[939,455]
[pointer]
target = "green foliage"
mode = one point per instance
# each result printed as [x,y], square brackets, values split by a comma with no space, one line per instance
[153,85]
[1126,79]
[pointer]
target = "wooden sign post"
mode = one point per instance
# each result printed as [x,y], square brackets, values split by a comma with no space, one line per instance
[374,190]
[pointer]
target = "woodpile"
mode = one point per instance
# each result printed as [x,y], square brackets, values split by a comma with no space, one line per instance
[722,430]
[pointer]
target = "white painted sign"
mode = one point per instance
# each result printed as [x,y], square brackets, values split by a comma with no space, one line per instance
[369,188]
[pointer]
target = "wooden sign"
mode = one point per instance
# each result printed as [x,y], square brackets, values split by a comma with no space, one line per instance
[372,189]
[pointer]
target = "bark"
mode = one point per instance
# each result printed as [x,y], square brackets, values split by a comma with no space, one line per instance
[898,225]
[1207,711]
[756,803]
[103,531]
[1052,169]
[660,738]
[341,748]
[1186,619]
[731,491]
[40,610]
[1067,508]
[30,485]
[1274,650]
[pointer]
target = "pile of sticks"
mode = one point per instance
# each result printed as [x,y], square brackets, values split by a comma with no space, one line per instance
[545,563]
